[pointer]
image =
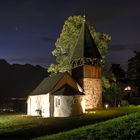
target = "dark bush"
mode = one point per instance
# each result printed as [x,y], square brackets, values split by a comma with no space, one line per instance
[122,128]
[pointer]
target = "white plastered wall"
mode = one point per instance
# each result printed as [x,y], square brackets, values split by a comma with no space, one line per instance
[68,106]
[36,103]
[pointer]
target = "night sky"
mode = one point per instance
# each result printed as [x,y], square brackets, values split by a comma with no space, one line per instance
[29,28]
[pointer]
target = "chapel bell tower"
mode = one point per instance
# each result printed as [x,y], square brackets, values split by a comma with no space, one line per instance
[87,68]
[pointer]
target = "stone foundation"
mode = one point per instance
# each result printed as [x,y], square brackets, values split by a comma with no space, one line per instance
[93,93]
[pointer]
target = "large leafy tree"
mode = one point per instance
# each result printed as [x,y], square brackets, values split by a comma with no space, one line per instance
[65,44]
[114,94]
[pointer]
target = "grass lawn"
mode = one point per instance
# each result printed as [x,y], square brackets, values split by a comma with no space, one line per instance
[22,126]
[126,127]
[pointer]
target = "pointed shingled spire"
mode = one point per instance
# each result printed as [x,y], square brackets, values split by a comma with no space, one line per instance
[85,47]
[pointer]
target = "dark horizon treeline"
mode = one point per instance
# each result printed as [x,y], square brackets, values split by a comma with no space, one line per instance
[18,80]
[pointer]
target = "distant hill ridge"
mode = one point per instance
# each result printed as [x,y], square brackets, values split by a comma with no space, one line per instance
[18,80]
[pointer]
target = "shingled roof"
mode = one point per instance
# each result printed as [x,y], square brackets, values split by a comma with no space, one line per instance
[67,90]
[47,84]
[85,47]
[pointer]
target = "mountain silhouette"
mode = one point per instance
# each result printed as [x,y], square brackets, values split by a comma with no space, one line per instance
[19,80]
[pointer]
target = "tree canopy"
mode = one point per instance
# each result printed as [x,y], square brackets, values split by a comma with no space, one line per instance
[66,43]
[114,94]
